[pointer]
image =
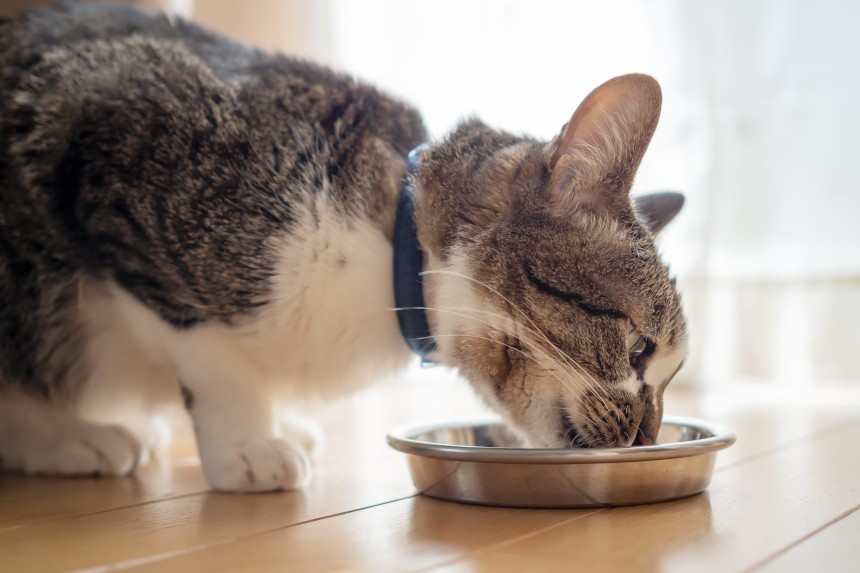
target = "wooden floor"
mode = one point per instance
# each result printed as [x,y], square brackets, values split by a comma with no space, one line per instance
[783,498]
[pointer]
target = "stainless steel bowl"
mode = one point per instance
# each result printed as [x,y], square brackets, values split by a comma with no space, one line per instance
[479,461]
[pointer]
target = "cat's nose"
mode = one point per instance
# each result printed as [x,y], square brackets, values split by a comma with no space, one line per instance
[643,439]
[646,435]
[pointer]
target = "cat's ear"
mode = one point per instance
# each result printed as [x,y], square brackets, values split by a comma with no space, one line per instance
[658,209]
[594,159]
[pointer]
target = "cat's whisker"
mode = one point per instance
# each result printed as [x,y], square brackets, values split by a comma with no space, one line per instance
[515,307]
[587,379]
[575,369]
[504,331]
[511,303]
[515,349]
[552,372]
[575,373]
[566,437]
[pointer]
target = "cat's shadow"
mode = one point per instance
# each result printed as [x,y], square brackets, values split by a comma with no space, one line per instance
[641,538]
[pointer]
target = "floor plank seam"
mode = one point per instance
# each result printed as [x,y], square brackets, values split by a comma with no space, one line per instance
[128,563]
[41,521]
[496,546]
[756,566]
[791,445]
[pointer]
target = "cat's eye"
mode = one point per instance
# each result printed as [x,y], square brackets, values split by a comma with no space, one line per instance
[637,346]
[636,343]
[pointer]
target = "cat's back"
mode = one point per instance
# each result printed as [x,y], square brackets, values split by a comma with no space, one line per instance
[104,55]
[169,156]
[109,114]
[109,52]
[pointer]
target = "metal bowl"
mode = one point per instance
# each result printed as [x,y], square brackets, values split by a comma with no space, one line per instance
[480,462]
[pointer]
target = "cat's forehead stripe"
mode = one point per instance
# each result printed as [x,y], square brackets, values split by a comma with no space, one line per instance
[575,298]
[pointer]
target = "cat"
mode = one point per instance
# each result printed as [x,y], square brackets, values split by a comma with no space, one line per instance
[187,218]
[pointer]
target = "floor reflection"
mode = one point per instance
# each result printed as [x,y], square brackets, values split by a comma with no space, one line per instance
[502,539]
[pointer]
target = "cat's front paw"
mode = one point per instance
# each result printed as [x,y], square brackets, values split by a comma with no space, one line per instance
[86,450]
[261,464]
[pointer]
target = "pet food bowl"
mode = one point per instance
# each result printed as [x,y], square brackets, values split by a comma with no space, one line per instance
[480,462]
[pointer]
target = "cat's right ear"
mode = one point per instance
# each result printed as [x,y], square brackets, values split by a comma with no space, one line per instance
[658,209]
[594,159]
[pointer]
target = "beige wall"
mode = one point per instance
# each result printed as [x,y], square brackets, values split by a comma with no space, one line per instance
[296,27]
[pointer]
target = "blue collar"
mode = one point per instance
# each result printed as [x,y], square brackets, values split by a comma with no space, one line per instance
[408,259]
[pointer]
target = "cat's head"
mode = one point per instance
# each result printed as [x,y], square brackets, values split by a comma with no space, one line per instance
[545,288]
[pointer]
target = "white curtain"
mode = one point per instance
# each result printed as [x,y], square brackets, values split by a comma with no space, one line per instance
[768,94]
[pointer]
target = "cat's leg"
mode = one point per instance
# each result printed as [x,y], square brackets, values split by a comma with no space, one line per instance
[303,431]
[110,427]
[40,437]
[239,438]
[129,389]
[129,383]
[99,381]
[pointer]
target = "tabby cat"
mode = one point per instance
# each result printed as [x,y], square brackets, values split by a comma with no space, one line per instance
[183,216]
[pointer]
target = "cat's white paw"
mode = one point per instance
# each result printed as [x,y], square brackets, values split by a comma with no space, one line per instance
[262,464]
[89,450]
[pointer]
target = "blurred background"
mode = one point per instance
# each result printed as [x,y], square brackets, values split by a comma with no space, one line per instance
[759,129]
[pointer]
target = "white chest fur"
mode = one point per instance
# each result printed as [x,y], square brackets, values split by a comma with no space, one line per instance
[330,327]
[327,330]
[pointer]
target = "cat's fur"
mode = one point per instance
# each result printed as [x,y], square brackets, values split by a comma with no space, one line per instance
[184,216]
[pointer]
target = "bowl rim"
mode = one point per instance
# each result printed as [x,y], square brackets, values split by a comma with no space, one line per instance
[403,438]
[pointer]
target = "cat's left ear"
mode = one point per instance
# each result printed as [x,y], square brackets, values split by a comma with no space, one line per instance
[658,209]
[594,159]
